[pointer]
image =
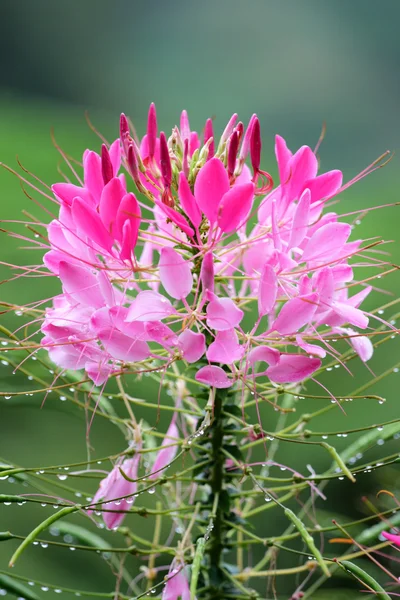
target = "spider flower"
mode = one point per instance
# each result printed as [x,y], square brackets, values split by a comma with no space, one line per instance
[167,272]
[177,586]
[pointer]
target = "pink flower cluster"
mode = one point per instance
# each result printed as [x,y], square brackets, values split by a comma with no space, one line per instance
[169,274]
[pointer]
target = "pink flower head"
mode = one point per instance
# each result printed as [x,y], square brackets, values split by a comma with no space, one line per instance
[215,268]
[177,586]
[392,537]
[113,489]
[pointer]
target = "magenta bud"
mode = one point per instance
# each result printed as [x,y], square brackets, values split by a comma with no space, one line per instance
[232,152]
[123,127]
[133,163]
[184,126]
[106,165]
[152,129]
[229,129]
[209,133]
[185,163]
[165,161]
[240,128]
[244,150]
[255,145]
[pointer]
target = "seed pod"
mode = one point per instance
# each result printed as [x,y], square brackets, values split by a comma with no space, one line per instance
[363,577]
[308,539]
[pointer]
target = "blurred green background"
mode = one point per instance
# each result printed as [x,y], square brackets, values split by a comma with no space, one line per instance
[296,64]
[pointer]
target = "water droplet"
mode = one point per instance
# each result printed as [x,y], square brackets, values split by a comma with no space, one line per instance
[5,362]
[44,588]
[62,477]
[63,398]
[44,544]
[72,548]
[43,504]
[7,503]
[58,591]
[8,397]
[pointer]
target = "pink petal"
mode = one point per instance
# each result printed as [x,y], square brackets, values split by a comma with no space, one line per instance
[395,539]
[121,487]
[110,200]
[214,377]
[325,284]
[295,314]
[207,272]
[300,220]
[283,156]
[129,210]
[222,314]
[149,306]
[129,239]
[88,222]
[98,373]
[357,299]
[162,334]
[265,354]
[302,166]
[326,241]
[188,201]
[235,206]
[267,291]
[211,184]
[192,345]
[177,587]
[225,349]
[166,455]
[81,285]
[115,156]
[325,185]
[361,343]
[293,368]
[93,177]
[175,217]
[310,348]
[66,192]
[351,315]
[106,288]
[175,274]
[122,347]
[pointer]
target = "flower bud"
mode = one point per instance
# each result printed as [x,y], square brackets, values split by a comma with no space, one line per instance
[246,140]
[152,129]
[106,165]
[255,146]
[209,134]
[165,161]
[232,152]
[184,126]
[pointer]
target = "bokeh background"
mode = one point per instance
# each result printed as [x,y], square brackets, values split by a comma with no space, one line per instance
[296,64]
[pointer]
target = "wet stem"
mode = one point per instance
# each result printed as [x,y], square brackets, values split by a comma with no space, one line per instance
[217,481]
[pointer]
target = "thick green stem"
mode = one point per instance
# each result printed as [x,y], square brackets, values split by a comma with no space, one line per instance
[217,482]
